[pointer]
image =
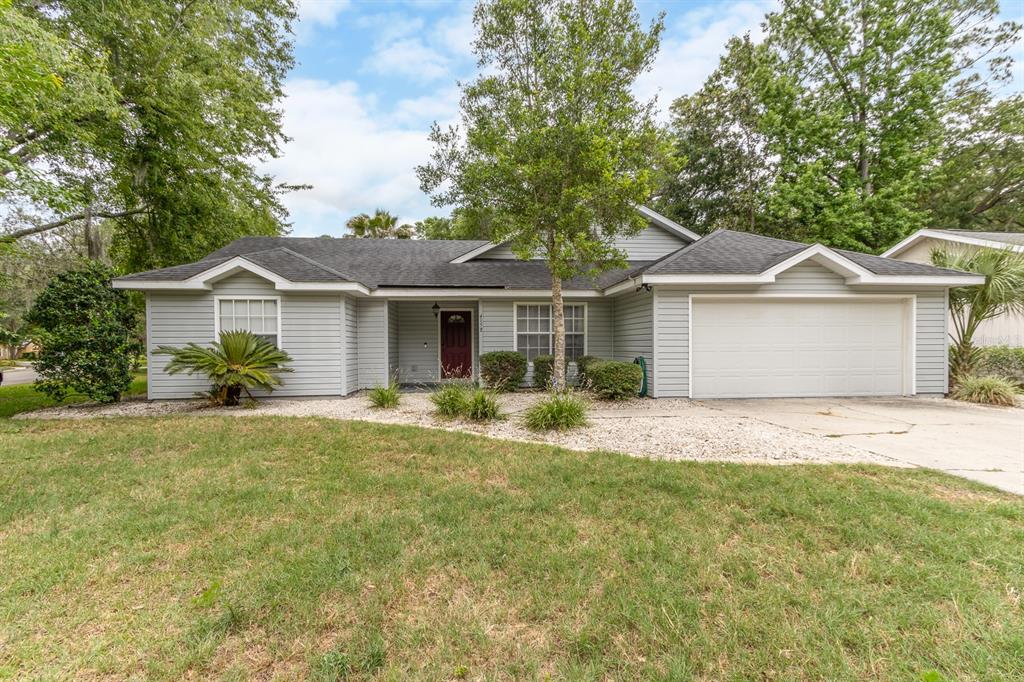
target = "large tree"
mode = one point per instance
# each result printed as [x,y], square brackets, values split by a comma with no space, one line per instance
[853,101]
[553,144]
[153,117]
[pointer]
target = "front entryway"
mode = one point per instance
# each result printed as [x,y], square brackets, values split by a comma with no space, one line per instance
[456,344]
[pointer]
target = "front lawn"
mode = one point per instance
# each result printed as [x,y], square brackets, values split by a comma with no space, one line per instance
[25,398]
[282,548]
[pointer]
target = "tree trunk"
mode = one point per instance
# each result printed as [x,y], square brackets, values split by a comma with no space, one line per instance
[558,320]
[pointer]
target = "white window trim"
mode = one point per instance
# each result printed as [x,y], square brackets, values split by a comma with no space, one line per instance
[216,313]
[515,325]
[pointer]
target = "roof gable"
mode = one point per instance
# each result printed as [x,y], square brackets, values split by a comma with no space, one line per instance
[993,240]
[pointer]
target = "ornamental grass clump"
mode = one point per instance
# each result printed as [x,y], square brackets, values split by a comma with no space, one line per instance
[557,412]
[986,390]
[384,397]
[482,407]
[450,400]
[240,361]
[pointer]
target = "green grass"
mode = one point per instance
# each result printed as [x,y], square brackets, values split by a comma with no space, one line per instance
[231,548]
[25,398]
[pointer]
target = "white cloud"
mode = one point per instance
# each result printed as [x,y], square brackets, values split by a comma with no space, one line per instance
[322,12]
[693,44]
[409,57]
[356,157]
[404,46]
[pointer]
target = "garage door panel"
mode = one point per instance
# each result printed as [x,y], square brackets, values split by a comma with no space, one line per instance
[797,348]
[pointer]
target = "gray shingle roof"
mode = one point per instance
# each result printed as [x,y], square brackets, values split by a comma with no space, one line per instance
[1016,238]
[726,252]
[426,263]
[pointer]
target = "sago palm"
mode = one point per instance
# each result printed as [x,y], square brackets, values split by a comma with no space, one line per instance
[1001,294]
[239,361]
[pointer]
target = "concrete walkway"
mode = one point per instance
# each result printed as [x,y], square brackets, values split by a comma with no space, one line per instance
[982,443]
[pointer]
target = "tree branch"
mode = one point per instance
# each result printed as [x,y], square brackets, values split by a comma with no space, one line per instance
[45,227]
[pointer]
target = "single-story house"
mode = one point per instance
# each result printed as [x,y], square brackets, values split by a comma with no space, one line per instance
[730,314]
[1005,330]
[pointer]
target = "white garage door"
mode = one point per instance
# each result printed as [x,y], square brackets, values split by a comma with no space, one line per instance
[761,349]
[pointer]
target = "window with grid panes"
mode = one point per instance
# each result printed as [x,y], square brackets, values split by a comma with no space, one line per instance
[259,316]
[535,332]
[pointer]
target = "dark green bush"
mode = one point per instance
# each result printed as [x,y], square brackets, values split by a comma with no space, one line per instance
[559,412]
[450,400]
[503,370]
[581,368]
[613,380]
[88,335]
[542,367]
[1004,361]
[482,407]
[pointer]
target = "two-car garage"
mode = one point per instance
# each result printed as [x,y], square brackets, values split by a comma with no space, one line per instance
[754,347]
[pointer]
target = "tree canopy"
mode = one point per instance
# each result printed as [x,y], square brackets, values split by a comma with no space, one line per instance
[553,145]
[850,124]
[148,114]
[381,225]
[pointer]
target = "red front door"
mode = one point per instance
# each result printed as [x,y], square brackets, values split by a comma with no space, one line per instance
[456,344]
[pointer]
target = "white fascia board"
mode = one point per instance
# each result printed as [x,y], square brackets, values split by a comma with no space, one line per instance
[964,280]
[947,237]
[667,224]
[204,280]
[470,255]
[482,293]
[706,279]
[824,256]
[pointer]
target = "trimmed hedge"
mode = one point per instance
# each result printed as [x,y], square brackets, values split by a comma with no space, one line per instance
[581,369]
[503,370]
[614,380]
[1004,361]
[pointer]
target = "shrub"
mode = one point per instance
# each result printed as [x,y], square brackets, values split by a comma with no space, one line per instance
[986,390]
[450,400]
[542,366]
[614,380]
[240,361]
[482,407]
[503,370]
[1004,361]
[558,412]
[582,365]
[88,335]
[384,397]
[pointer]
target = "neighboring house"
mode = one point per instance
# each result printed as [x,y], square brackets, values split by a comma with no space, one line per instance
[917,248]
[728,315]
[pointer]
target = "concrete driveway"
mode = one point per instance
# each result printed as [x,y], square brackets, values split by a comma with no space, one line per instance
[981,443]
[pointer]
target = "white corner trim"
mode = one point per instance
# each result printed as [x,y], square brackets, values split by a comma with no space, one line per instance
[903,245]
[667,224]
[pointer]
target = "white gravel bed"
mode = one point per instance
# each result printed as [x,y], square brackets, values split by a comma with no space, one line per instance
[677,429]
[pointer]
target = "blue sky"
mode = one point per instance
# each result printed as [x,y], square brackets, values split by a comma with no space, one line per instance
[373,75]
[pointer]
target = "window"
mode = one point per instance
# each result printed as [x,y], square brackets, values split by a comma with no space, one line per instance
[535,331]
[257,315]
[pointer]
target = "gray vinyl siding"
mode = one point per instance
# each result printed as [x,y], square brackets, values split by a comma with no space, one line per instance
[174,320]
[808,278]
[932,356]
[351,346]
[634,330]
[651,243]
[393,369]
[672,342]
[371,335]
[310,333]
[418,350]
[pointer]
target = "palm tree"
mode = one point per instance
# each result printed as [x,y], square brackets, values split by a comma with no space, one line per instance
[381,225]
[240,361]
[1002,293]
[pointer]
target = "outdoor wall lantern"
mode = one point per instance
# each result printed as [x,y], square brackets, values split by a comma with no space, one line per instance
[436,308]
